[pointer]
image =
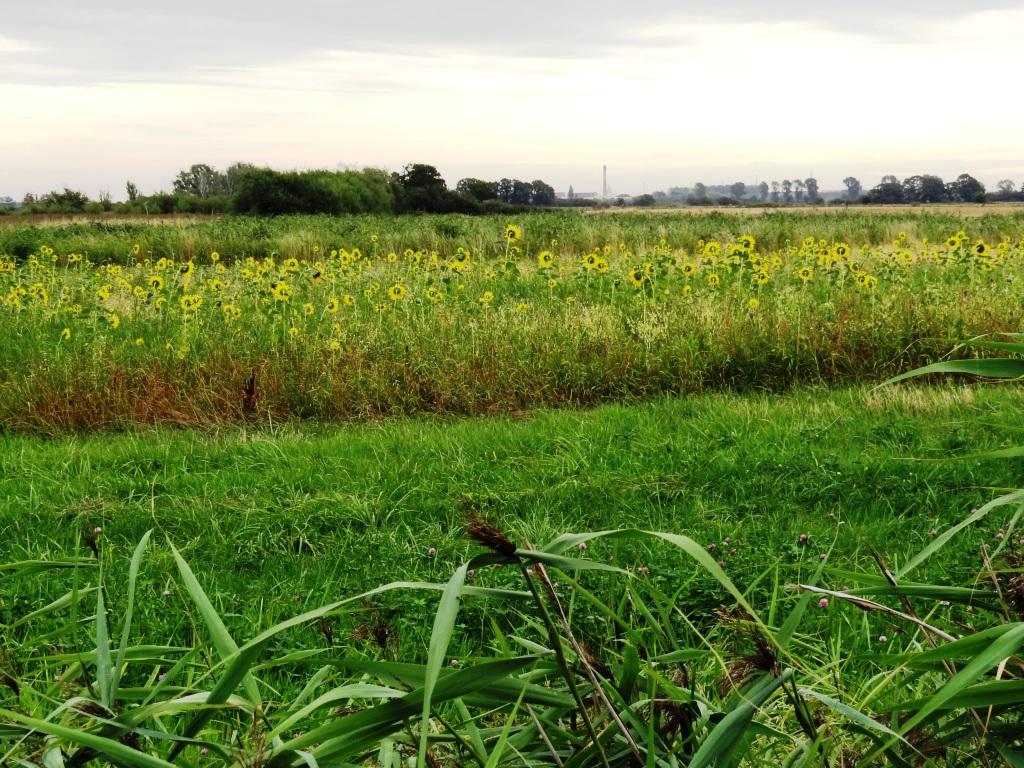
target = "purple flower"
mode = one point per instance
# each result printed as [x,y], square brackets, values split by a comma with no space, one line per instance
[432,551]
[803,538]
[583,546]
[97,529]
[823,603]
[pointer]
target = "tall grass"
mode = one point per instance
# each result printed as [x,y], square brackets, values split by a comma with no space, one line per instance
[652,683]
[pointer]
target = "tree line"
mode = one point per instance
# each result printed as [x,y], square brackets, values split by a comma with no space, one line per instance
[248,189]
[890,190]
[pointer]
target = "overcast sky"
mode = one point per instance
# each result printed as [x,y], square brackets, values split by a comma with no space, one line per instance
[666,92]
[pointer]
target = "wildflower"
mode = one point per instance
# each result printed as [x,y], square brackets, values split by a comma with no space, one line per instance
[753,303]
[823,603]
[513,233]
[334,345]
[806,274]
[166,593]
[293,331]
[115,321]
[933,532]
[432,551]
[454,662]
[803,538]
[396,292]
[545,259]
[215,257]
[65,335]
[713,279]
[308,309]
[140,342]
[582,546]
[883,639]
[97,529]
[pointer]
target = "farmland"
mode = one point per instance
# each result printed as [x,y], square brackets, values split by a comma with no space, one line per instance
[516,490]
[238,320]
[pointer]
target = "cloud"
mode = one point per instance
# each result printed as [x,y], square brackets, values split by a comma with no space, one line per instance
[129,41]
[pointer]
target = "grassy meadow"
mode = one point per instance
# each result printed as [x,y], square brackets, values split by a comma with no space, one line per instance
[323,492]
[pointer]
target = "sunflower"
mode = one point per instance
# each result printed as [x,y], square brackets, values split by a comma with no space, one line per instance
[689,269]
[980,248]
[65,335]
[190,302]
[747,243]
[637,276]
[333,305]
[513,233]
[281,291]
[713,279]
[215,257]
[396,292]
[753,303]
[308,309]
[762,277]
[806,274]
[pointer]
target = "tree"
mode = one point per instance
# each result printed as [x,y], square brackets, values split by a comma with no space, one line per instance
[787,191]
[542,194]
[853,189]
[132,191]
[643,201]
[478,189]
[813,196]
[763,190]
[923,189]
[966,189]
[700,192]
[522,192]
[889,191]
[1005,187]
[571,195]
[798,185]
[775,191]
[229,180]
[738,190]
[199,180]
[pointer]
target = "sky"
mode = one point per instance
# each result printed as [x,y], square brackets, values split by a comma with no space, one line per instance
[665,92]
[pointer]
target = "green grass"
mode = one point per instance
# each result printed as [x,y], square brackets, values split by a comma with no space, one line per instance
[274,522]
[275,516]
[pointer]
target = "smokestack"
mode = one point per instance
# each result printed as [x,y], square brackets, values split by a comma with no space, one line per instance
[604,183]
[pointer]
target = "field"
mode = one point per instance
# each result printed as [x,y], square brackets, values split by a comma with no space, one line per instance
[240,320]
[334,479]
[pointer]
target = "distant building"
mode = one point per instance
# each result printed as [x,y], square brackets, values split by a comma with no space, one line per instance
[581,196]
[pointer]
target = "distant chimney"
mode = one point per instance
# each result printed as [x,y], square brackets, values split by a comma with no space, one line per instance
[604,183]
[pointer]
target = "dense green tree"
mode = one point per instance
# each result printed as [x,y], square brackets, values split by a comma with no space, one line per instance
[541,194]
[888,191]
[966,189]
[924,189]
[478,189]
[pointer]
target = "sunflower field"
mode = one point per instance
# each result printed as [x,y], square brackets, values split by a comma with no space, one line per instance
[506,319]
